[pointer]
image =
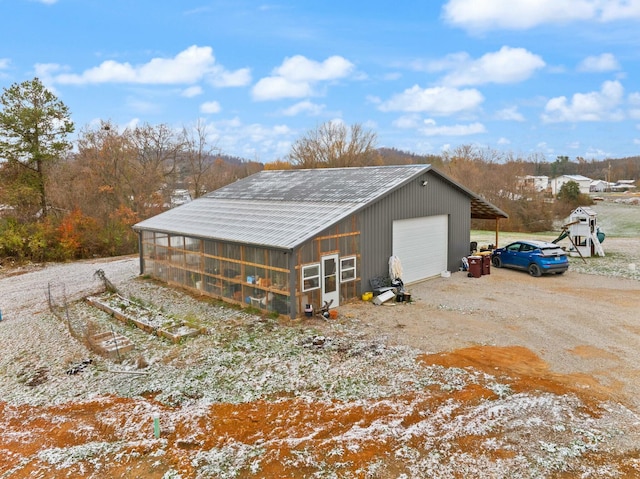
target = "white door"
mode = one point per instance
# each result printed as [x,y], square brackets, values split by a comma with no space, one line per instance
[330,280]
[421,246]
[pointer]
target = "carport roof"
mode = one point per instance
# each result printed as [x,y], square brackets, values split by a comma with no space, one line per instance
[483,210]
[284,208]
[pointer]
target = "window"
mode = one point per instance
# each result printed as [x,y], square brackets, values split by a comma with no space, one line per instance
[347,269]
[310,277]
[515,247]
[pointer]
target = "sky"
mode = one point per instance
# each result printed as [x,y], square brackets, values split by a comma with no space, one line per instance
[525,78]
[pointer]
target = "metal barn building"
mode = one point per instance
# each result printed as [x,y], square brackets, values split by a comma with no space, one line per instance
[281,239]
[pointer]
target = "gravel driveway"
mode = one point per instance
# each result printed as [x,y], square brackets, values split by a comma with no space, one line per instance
[24,291]
[578,323]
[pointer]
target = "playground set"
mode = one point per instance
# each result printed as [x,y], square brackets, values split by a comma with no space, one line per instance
[583,233]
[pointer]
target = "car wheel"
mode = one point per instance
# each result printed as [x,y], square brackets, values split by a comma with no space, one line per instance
[497,262]
[534,270]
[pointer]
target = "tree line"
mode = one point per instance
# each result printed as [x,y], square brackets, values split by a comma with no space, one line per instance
[64,200]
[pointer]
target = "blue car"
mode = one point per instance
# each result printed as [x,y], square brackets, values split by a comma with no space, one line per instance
[536,257]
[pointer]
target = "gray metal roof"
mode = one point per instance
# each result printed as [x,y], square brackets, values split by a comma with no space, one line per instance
[321,185]
[284,208]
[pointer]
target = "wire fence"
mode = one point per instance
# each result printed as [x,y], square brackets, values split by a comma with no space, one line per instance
[84,331]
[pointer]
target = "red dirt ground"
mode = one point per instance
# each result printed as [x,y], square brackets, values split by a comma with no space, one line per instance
[285,427]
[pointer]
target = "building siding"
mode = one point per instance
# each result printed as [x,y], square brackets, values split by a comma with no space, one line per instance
[364,230]
[413,201]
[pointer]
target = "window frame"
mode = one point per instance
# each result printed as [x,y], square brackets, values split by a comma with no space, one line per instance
[304,278]
[352,269]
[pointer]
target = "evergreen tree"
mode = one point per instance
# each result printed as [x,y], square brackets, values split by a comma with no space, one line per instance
[33,129]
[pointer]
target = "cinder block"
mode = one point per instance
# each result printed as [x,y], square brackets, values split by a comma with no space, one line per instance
[384,297]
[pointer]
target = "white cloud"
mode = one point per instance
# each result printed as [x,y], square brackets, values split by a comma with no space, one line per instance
[4,63]
[254,141]
[192,91]
[620,10]
[407,122]
[634,106]
[187,67]
[47,2]
[297,75]
[508,65]
[599,63]
[47,70]
[596,153]
[593,106]
[133,123]
[449,62]
[524,14]
[210,107]
[299,68]
[510,114]
[516,14]
[312,109]
[503,141]
[219,77]
[436,101]
[272,88]
[430,128]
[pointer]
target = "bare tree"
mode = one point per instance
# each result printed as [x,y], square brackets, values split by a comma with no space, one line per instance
[198,156]
[153,175]
[333,145]
[103,169]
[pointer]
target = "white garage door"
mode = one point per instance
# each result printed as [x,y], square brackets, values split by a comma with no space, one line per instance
[421,245]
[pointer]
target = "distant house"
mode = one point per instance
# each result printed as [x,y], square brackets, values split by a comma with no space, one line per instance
[583,182]
[534,183]
[282,239]
[620,185]
[599,186]
[623,185]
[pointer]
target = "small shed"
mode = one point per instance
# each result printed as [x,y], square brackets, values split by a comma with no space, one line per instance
[282,239]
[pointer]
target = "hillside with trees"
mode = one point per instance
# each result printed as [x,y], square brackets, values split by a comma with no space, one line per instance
[64,200]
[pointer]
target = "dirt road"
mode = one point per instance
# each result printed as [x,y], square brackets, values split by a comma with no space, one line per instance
[577,323]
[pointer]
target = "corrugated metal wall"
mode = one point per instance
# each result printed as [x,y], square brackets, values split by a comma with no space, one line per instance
[413,201]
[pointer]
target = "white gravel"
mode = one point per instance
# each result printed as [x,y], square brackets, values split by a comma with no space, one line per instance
[366,356]
[24,291]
